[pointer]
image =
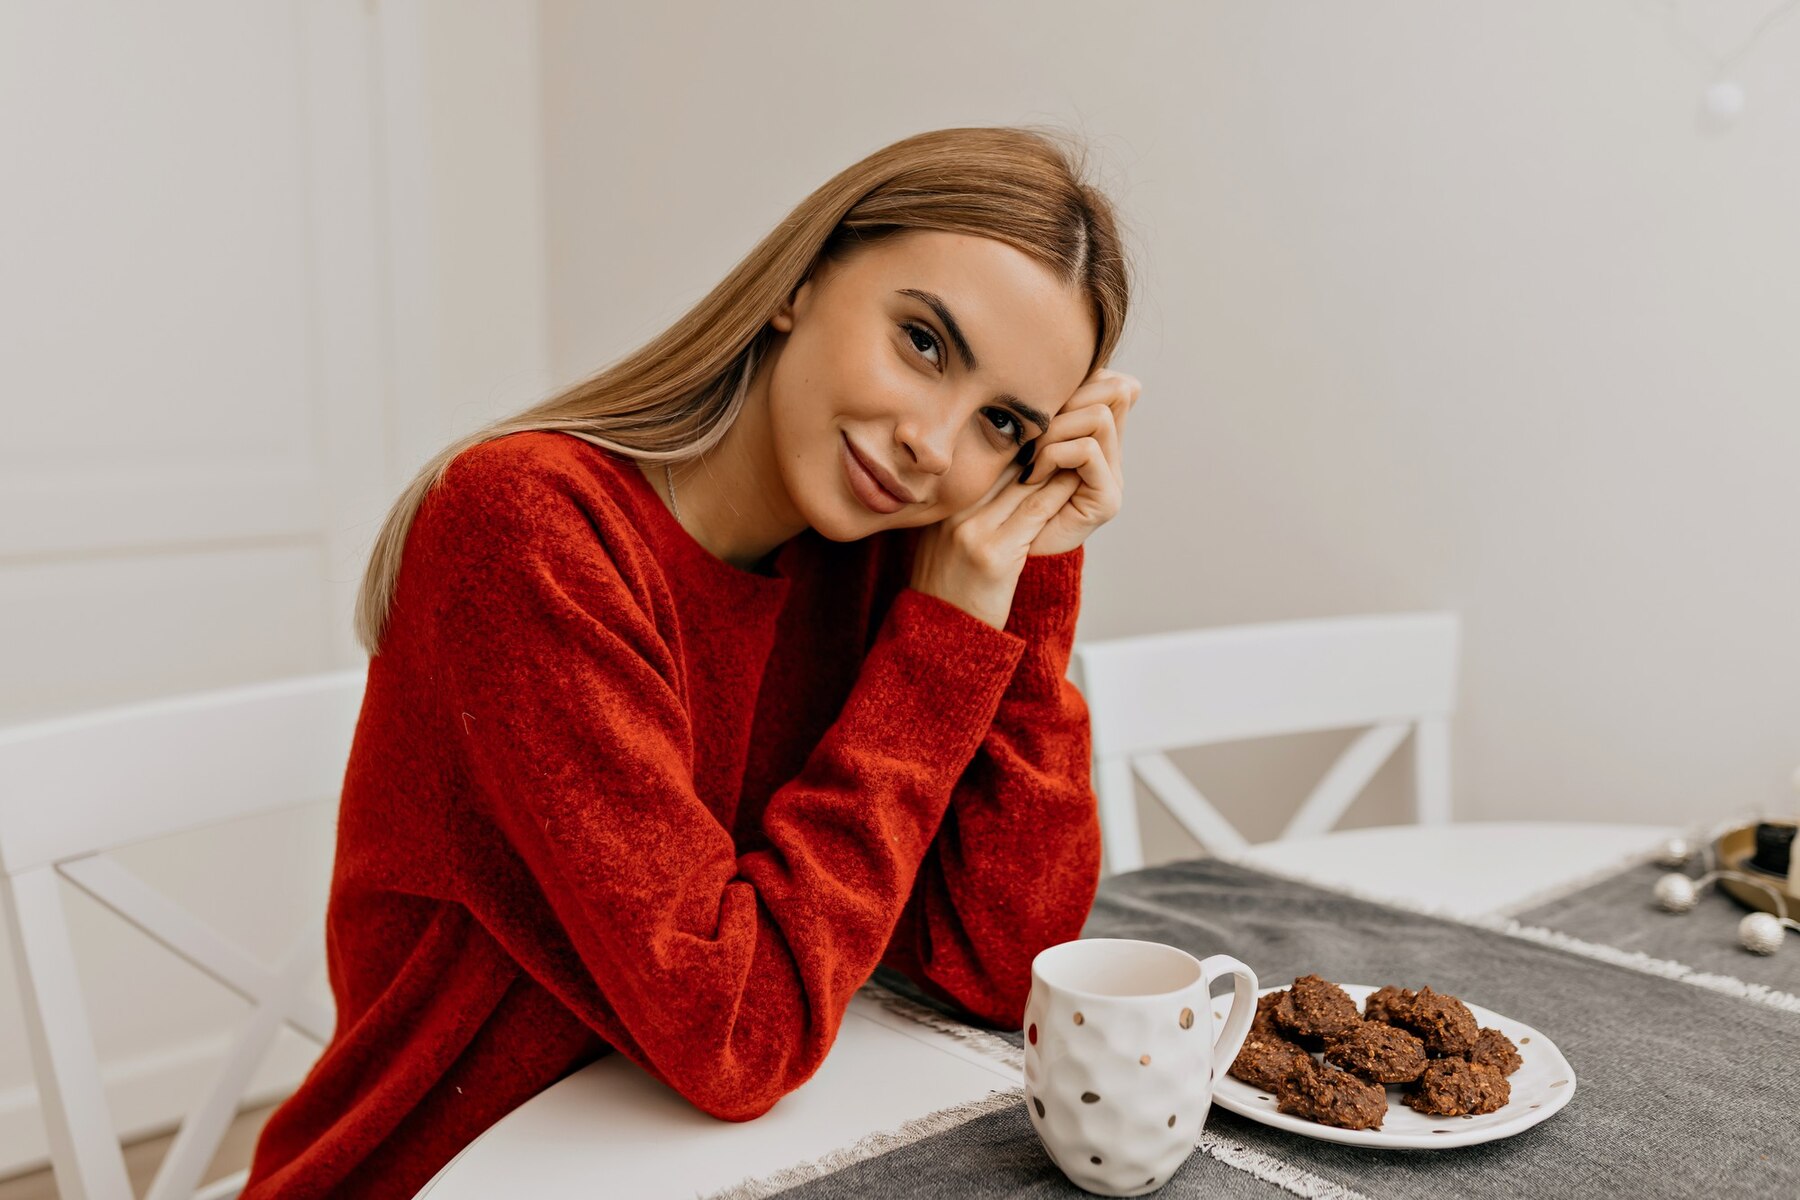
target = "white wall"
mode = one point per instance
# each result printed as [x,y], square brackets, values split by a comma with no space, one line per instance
[1442,305]
[261,261]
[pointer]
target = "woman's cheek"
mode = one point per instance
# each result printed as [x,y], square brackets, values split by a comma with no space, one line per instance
[963,493]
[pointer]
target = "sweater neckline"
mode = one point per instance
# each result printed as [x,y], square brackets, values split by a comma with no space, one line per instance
[675,536]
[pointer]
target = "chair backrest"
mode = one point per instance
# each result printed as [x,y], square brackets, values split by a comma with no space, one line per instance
[1149,694]
[74,787]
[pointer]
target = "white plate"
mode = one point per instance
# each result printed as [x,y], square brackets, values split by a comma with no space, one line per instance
[1541,1086]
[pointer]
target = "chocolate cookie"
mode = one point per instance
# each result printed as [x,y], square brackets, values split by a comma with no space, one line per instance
[1316,1010]
[1379,1053]
[1384,1004]
[1331,1097]
[1266,1059]
[1494,1049]
[1264,1021]
[1454,1087]
[1443,1022]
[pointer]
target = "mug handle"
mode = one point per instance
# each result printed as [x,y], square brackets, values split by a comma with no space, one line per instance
[1242,1011]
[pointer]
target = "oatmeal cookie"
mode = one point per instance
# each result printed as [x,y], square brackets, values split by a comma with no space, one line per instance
[1331,1097]
[1443,1022]
[1316,1010]
[1266,1059]
[1455,1087]
[1264,1021]
[1384,1004]
[1379,1053]
[1494,1049]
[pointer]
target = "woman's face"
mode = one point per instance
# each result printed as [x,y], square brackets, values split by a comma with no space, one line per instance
[869,362]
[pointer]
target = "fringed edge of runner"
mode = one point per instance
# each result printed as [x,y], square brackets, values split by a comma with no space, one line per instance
[869,1146]
[1632,960]
[989,1045]
[1295,1180]
[1637,960]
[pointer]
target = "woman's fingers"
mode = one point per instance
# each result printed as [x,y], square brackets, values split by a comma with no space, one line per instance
[1093,420]
[1085,457]
[1038,505]
[1004,499]
[1114,390]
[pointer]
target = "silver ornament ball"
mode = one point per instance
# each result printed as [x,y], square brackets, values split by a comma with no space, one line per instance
[1675,852]
[1676,893]
[1761,933]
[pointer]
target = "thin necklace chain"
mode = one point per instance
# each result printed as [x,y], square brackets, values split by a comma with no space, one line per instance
[669,474]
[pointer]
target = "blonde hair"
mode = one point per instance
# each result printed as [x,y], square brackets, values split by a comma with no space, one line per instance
[677,396]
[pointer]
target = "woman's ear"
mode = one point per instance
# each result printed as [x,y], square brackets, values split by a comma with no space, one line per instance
[783,319]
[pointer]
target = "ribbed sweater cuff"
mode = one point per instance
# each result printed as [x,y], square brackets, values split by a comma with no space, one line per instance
[1046,603]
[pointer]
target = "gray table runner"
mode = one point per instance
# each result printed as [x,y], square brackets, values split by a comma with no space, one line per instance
[1686,1049]
[1620,912]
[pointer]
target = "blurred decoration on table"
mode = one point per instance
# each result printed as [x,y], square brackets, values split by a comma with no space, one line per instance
[1753,863]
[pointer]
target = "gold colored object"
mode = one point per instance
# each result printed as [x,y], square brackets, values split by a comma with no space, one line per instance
[1733,850]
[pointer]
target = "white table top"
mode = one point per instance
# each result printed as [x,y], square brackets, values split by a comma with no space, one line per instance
[610,1129]
[1479,868]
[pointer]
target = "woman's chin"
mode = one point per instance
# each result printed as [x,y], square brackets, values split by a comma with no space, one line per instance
[849,526]
[850,521]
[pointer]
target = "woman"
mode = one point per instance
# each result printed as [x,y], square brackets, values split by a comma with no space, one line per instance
[705,688]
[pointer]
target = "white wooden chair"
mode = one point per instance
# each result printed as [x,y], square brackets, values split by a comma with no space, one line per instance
[1159,692]
[72,788]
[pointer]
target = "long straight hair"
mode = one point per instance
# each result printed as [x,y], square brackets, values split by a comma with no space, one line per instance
[676,397]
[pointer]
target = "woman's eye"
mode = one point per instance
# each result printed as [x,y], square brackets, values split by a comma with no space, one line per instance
[915,332]
[1017,436]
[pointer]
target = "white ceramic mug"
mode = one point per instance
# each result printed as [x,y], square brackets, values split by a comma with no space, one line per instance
[1120,1056]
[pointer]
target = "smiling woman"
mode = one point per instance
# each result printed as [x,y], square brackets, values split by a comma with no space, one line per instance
[704,688]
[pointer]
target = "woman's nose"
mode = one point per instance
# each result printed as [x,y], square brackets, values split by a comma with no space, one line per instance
[929,439]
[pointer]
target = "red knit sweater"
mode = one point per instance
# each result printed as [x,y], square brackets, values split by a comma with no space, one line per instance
[608,791]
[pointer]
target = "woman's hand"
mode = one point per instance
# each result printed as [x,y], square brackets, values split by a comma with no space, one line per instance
[1084,439]
[973,558]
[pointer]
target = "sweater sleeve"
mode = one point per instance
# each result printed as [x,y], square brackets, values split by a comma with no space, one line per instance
[1016,865]
[725,975]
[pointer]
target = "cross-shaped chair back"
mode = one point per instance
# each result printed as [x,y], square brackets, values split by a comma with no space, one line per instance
[1159,692]
[73,788]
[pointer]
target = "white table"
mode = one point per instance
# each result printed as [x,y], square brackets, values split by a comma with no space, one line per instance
[610,1129]
[1470,870]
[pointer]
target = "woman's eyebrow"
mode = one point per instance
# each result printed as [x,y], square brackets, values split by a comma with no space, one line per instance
[937,305]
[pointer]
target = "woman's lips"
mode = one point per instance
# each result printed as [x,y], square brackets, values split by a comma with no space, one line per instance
[865,486]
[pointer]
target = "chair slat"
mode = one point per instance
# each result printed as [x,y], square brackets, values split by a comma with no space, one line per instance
[1200,687]
[203,1130]
[1187,805]
[1431,768]
[113,885]
[84,1151]
[1346,779]
[97,781]
[1117,796]
[226,1187]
